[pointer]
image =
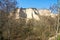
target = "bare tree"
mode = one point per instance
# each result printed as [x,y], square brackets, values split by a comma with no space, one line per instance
[6,6]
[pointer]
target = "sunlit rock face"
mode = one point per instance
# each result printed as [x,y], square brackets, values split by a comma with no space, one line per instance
[29,13]
[17,14]
[14,14]
[44,12]
[53,15]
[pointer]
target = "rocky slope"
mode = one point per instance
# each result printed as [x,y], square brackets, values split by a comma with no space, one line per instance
[30,13]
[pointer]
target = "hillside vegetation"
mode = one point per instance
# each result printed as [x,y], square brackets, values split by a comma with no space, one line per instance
[19,29]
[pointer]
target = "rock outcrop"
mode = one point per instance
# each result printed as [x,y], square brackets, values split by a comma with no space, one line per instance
[30,13]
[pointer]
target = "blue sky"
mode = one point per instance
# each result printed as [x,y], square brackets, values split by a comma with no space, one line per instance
[36,3]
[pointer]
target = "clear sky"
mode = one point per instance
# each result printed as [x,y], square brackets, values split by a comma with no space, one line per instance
[36,3]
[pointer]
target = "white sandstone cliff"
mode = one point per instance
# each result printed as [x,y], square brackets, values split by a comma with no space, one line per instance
[30,13]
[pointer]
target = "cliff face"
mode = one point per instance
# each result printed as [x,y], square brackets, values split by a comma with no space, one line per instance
[30,13]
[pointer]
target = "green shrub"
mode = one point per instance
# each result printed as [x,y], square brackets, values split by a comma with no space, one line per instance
[58,38]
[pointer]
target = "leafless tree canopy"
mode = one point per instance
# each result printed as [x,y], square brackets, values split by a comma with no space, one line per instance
[7,5]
